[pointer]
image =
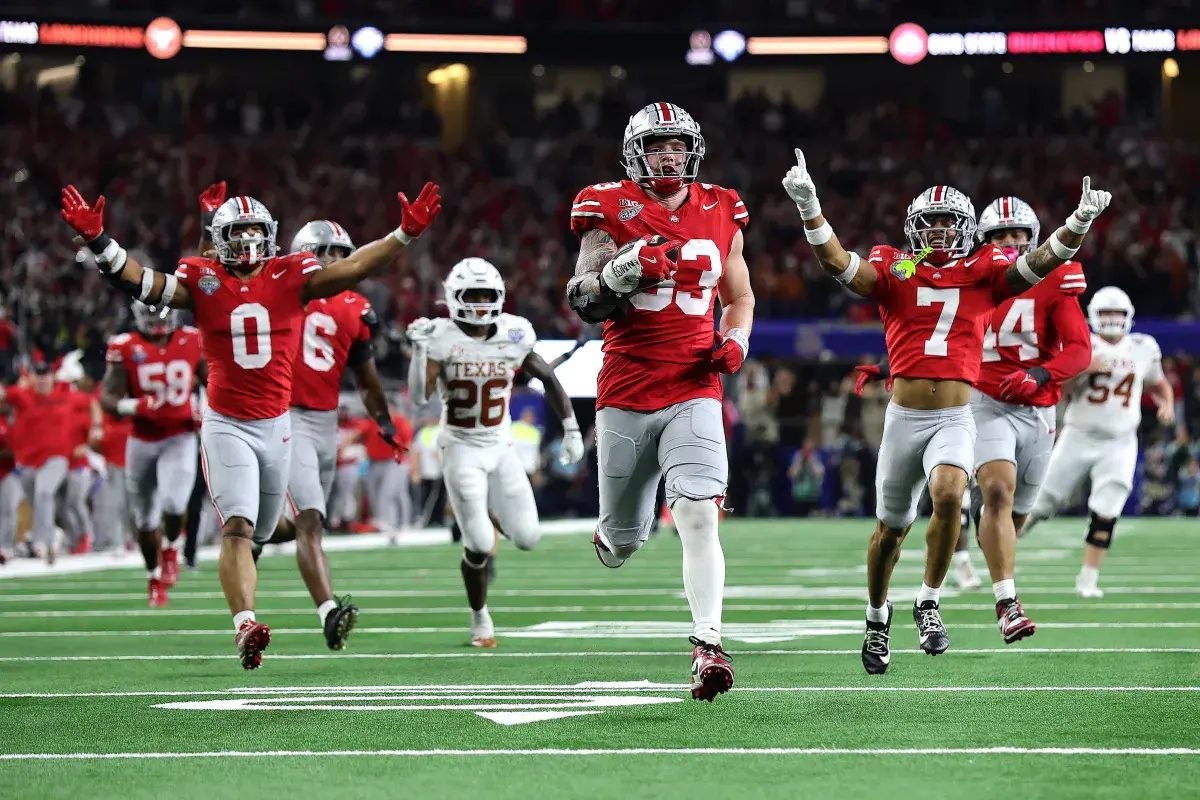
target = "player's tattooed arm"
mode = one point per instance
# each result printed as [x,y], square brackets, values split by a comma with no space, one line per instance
[536,367]
[596,248]
[1061,246]
[114,387]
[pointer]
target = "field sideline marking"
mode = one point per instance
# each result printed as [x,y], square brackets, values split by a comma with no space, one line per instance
[634,751]
[592,654]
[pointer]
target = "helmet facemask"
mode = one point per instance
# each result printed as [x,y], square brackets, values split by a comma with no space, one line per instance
[664,162]
[950,234]
[245,244]
[154,322]
[475,305]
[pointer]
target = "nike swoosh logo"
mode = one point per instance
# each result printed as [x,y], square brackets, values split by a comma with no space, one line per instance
[706,208]
[650,260]
[278,275]
[287,438]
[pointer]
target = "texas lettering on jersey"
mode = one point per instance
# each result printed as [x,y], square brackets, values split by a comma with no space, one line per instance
[331,327]
[1043,327]
[658,354]
[1109,402]
[250,331]
[166,373]
[476,377]
[934,321]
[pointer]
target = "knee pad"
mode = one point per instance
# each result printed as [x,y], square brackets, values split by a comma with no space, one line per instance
[1100,531]
[695,518]
[475,560]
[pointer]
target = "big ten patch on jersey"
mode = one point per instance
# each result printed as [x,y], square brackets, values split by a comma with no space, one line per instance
[476,376]
[331,327]
[934,317]
[250,330]
[164,372]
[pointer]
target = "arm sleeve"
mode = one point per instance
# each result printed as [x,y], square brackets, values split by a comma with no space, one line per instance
[1074,338]
[741,217]
[594,209]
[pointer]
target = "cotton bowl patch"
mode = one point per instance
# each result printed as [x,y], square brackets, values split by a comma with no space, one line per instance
[516,335]
[209,284]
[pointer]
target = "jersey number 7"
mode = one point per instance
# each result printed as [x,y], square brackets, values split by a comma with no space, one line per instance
[935,345]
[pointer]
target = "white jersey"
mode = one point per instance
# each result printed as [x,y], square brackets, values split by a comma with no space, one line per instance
[1109,402]
[476,378]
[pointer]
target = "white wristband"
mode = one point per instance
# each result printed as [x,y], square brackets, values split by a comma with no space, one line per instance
[147,284]
[743,341]
[1060,249]
[402,237]
[1076,225]
[127,406]
[168,292]
[1022,265]
[819,236]
[847,275]
[570,424]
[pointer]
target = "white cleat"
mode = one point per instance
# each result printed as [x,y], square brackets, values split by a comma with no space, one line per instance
[606,556]
[966,577]
[1088,591]
[483,632]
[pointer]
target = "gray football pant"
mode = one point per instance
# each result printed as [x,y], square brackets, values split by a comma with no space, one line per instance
[10,503]
[343,505]
[389,493]
[114,525]
[41,485]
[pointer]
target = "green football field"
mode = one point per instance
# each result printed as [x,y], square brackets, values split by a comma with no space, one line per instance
[587,696]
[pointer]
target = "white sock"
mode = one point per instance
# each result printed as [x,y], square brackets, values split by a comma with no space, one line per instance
[962,557]
[241,617]
[928,593]
[481,622]
[167,544]
[324,609]
[876,614]
[703,565]
[1005,589]
[1089,575]
[156,573]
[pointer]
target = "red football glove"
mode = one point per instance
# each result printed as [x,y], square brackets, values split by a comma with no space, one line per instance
[656,259]
[387,432]
[146,405]
[417,216]
[88,221]
[1018,387]
[728,353]
[868,373]
[212,198]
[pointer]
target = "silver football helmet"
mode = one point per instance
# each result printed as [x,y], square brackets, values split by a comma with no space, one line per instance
[1009,212]
[661,121]
[955,241]
[151,321]
[237,247]
[1107,300]
[474,274]
[319,237]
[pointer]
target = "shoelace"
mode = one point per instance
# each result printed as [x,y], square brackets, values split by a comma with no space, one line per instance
[877,642]
[930,618]
[342,601]
[713,649]
[1013,611]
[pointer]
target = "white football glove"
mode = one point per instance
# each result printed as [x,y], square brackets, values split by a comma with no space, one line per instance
[1091,204]
[800,187]
[572,444]
[419,331]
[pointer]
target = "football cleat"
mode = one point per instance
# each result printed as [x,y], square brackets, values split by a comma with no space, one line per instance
[712,674]
[876,649]
[483,641]
[604,554]
[966,577]
[934,639]
[339,622]
[157,592]
[83,546]
[251,639]
[1087,589]
[170,567]
[1014,625]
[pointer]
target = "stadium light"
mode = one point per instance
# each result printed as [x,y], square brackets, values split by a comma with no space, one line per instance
[1170,68]
[449,43]
[448,74]
[816,45]
[254,40]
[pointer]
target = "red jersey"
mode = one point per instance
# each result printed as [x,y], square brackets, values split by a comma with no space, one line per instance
[80,425]
[1044,327]
[7,462]
[116,434]
[331,326]
[45,425]
[250,331]
[934,321]
[166,373]
[659,353]
[377,448]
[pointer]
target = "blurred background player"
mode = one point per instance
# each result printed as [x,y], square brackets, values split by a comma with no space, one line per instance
[344,504]
[86,430]
[472,358]
[149,379]
[250,321]
[114,520]
[935,305]
[1033,343]
[658,403]
[1099,436]
[10,494]
[388,483]
[427,474]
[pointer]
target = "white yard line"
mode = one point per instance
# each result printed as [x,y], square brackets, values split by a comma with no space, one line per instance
[633,751]
[1016,651]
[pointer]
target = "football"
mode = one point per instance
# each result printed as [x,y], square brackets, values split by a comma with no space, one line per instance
[655,240]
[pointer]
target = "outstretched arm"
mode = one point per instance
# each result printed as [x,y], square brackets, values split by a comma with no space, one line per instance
[847,268]
[367,260]
[560,401]
[125,274]
[605,274]
[1062,245]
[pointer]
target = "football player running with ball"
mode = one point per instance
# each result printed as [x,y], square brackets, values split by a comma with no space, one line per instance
[656,251]
[935,304]
[249,305]
[1099,437]
[1033,343]
[471,359]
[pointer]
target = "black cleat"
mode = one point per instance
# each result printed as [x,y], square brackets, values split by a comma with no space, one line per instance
[876,652]
[934,639]
[339,622]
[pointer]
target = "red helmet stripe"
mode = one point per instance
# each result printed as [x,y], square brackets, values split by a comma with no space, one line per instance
[664,113]
[335,227]
[939,194]
[243,204]
[1005,207]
